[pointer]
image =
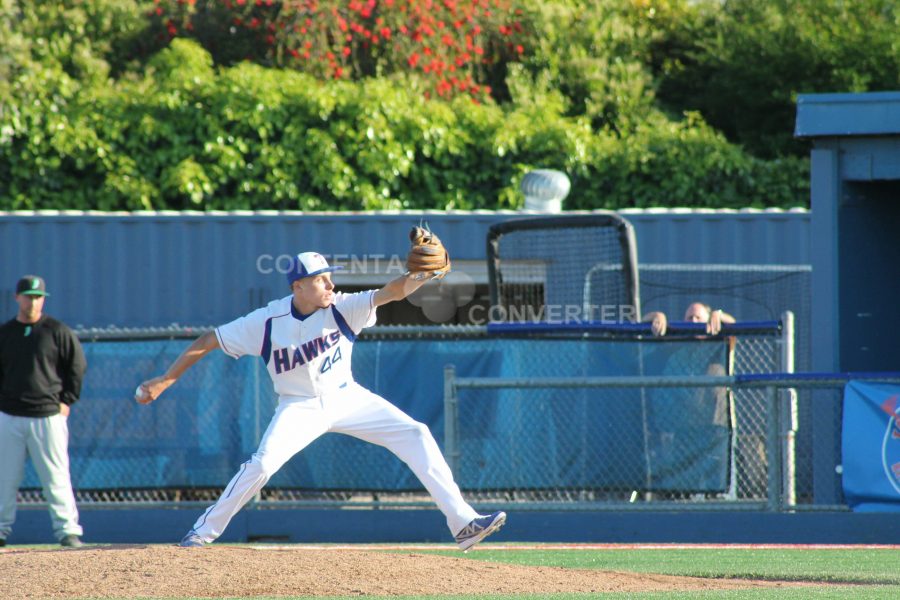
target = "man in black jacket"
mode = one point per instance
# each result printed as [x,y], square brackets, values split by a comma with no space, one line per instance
[41,369]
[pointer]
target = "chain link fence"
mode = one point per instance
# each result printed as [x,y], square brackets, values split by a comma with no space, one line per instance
[185,447]
[597,463]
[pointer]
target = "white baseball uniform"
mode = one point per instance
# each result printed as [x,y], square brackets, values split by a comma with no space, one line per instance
[308,358]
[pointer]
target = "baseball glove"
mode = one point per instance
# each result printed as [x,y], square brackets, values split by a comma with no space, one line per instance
[427,257]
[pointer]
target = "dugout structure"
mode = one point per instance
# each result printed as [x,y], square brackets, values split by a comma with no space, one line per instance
[854,187]
[564,269]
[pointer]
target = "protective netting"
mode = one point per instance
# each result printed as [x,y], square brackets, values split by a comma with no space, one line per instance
[749,293]
[563,269]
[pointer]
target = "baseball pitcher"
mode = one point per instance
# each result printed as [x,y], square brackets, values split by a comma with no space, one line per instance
[306,341]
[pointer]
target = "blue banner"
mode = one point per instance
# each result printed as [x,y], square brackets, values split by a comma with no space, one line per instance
[871,446]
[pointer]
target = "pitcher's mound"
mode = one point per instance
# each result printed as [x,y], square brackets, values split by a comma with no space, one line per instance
[216,571]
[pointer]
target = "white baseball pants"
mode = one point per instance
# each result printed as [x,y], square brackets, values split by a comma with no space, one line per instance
[354,411]
[46,441]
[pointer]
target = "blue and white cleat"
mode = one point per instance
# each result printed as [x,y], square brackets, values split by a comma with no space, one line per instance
[478,529]
[192,540]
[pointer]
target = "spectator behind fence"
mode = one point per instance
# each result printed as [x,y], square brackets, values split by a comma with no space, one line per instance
[697,312]
[42,366]
[707,414]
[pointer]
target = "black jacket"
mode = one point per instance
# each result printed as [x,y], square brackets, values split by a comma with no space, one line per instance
[41,365]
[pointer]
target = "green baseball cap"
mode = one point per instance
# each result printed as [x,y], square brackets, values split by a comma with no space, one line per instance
[31,285]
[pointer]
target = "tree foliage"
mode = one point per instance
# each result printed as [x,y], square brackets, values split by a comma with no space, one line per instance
[130,104]
[741,63]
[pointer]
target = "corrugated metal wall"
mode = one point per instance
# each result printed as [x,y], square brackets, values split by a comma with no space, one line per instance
[721,236]
[155,269]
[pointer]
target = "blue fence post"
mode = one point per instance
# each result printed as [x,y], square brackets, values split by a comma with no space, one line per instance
[826,189]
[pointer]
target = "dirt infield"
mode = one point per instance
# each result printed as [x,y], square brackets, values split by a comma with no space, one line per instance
[170,572]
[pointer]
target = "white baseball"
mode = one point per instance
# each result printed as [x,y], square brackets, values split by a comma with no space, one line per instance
[139,393]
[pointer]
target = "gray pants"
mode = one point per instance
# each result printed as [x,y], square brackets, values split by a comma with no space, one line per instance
[46,441]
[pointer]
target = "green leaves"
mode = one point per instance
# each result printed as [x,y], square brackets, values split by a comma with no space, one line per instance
[85,124]
[742,63]
[246,137]
[186,179]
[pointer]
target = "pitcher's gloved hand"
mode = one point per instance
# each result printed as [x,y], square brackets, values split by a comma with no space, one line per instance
[427,257]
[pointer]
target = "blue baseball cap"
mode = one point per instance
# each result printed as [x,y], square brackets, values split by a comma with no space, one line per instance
[307,264]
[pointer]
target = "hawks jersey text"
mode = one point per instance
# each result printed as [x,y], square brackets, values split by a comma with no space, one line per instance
[305,355]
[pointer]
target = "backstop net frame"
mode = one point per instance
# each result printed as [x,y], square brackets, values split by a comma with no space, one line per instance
[564,268]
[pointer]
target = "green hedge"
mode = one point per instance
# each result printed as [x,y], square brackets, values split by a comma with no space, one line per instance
[641,102]
[191,136]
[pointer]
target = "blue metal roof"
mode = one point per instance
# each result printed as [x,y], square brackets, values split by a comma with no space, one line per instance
[826,115]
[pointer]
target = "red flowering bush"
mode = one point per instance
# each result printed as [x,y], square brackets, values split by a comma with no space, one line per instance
[455,46]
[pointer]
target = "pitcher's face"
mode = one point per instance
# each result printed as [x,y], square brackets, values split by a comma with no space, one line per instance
[314,292]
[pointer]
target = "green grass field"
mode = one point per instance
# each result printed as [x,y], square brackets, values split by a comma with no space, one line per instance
[862,566]
[845,573]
